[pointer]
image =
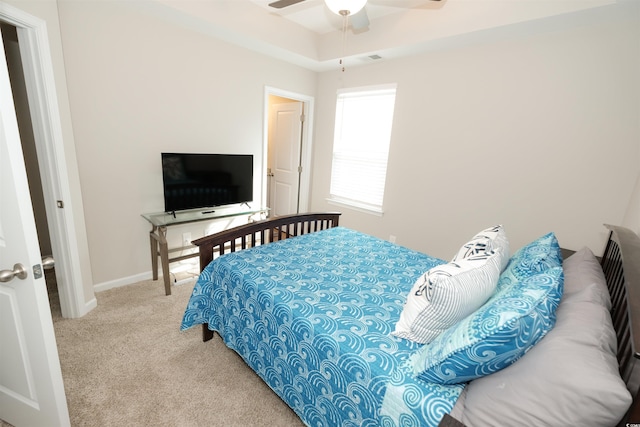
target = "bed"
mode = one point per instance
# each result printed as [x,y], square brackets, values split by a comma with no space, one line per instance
[324,315]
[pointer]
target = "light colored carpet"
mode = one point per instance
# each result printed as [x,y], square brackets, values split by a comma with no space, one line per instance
[126,363]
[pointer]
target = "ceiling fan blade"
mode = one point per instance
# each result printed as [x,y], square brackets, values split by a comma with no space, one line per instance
[360,20]
[284,3]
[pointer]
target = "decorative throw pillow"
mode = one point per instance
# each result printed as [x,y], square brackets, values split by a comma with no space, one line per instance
[487,240]
[496,335]
[538,256]
[569,378]
[446,294]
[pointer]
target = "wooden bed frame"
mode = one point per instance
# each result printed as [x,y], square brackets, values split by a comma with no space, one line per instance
[620,263]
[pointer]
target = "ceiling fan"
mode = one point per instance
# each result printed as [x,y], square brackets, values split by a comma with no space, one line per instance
[354,9]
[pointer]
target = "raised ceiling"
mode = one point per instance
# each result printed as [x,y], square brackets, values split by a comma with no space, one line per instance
[309,35]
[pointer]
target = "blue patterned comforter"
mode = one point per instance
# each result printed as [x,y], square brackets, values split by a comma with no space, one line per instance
[312,316]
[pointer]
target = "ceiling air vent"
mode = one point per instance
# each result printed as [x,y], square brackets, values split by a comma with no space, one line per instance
[370,58]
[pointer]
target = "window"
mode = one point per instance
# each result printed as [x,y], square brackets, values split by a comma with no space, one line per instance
[361,146]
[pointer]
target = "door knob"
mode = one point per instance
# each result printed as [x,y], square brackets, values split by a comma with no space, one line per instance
[48,262]
[18,271]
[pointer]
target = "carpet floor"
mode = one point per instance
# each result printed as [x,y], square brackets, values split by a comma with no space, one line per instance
[126,363]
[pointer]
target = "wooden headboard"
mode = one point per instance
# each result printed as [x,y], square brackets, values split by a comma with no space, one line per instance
[621,266]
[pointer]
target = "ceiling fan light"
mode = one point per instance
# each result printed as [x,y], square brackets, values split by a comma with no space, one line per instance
[350,6]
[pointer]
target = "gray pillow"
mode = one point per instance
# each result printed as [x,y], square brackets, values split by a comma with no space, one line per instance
[581,270]
[569,378]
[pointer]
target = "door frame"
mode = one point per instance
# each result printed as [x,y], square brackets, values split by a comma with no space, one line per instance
[47,128]
[307,142]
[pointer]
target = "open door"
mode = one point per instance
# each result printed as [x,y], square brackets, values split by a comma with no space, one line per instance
[31,387]
[288,148]
[284,166]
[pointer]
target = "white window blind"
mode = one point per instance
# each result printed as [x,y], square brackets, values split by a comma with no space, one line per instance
[361,146]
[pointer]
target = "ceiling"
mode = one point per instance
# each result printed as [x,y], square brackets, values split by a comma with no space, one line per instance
[316,17]
[310,35]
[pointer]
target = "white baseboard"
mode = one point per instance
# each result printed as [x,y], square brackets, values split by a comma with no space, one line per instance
[99,287]
[90,306]
[138,278]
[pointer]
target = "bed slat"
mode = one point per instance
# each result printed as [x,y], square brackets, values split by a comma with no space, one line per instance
[260,232]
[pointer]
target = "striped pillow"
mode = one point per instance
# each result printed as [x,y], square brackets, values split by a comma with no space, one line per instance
[448,293]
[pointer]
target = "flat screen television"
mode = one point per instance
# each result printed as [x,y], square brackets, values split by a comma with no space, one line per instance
[194,181]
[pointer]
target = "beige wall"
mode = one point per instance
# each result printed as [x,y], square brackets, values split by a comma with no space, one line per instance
[141,84]
[530,131]
[539,132]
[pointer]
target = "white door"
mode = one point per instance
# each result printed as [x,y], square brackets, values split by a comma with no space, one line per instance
[284,157]
[31,387]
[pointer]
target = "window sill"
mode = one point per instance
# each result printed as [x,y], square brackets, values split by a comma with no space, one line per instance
[356,207]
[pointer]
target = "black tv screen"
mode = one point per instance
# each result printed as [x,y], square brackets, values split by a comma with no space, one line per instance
[194,181]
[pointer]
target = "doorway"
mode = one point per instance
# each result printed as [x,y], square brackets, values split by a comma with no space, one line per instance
[25,126]
[287,151]
[46,127]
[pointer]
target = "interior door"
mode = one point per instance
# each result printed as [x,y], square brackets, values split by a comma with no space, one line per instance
[31,387]
[285,131]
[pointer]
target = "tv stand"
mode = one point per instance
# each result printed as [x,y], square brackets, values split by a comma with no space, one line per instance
[162,220]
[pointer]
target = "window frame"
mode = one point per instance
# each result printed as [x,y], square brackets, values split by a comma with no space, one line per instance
[355,204]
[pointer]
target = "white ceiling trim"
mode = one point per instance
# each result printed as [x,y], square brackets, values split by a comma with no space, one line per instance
[250,23]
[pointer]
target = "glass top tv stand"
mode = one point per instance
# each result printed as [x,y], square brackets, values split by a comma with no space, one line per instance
[160,221]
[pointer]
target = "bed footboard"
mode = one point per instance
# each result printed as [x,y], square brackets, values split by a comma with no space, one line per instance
[260,233]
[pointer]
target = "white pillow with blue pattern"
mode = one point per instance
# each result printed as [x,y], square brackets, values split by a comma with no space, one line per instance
[487,240]
[447,293]
[520,313]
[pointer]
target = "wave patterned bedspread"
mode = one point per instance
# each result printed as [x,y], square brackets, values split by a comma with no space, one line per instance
[312,315]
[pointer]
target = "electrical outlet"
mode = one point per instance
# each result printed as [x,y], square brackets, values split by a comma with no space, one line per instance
[186,239]
[392,238]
